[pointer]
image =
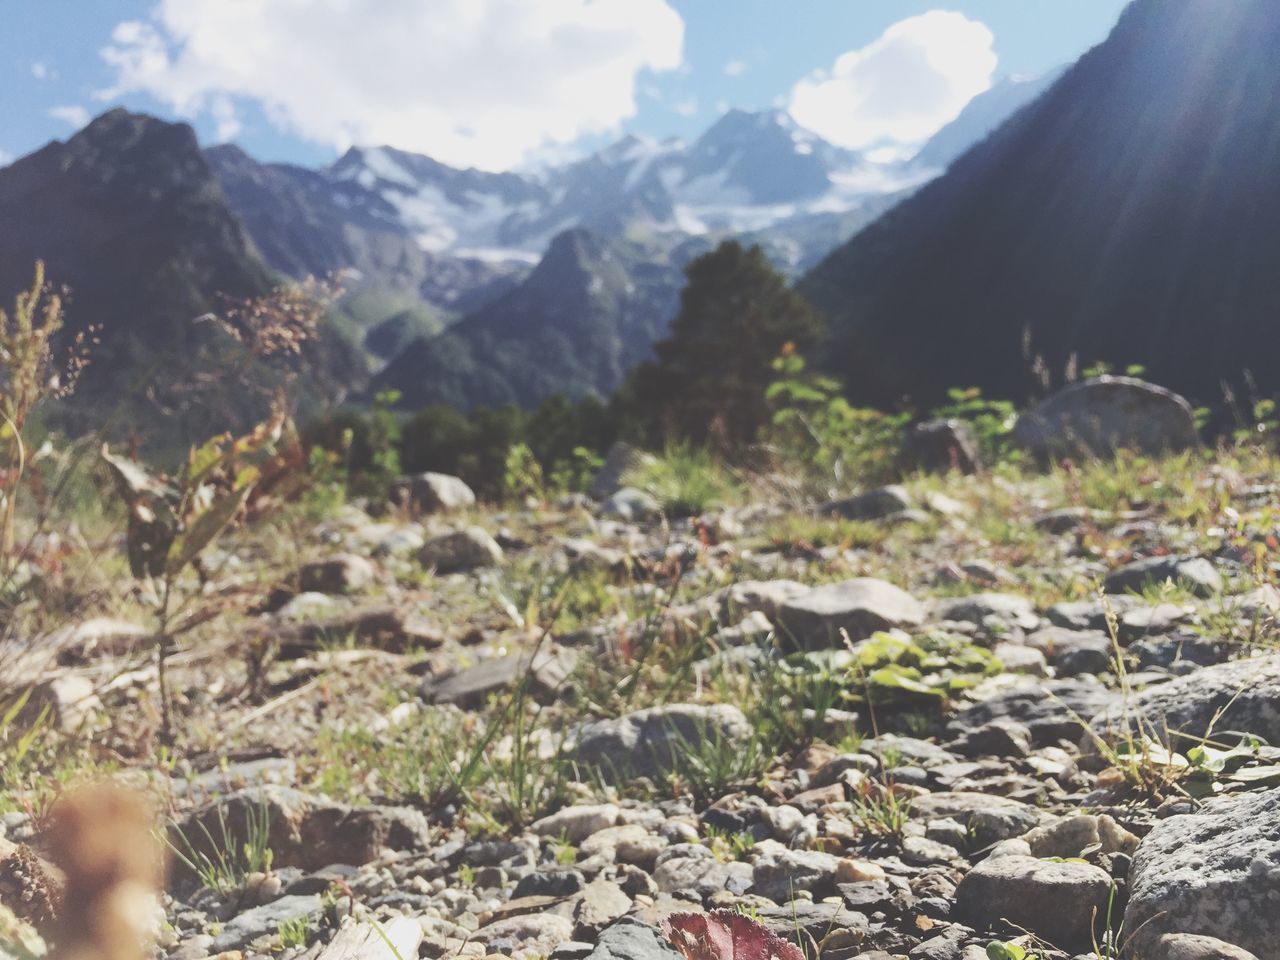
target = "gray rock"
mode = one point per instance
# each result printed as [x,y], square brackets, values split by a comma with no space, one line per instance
[470,686]
[432,493]
[1070,836]
[1056,901]
[1098,417]
[632,940]
[345,573]
[251,924]
[1188,946]
[1192,573]
[872,505]
[578,822]
[781,874]
[860,606]
[534,933]
[1052,710]
[1089,614]
[601,904]
[650,743]
[621,460]
[940,446]
[303,830]
[462,550]
[1242,696]
[1215,873]
[692,868]
[1073,652]
[999,738]
[762,596]
[989,818]
[979,607]
[630,505]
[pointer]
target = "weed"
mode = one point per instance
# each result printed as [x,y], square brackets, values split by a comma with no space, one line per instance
[686,481]
[293,932]
[216,861]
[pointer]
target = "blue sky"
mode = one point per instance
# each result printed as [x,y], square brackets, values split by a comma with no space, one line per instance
[499,83]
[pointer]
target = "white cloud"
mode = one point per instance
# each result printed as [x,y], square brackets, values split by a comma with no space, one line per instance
[902,87]
[735,68]
[471,82]
[5,157]
[41,70]
[73,114]
[687,107]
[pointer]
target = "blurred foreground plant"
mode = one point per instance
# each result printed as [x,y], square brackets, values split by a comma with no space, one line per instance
[173,521]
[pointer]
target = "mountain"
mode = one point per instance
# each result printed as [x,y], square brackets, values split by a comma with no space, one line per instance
[591,310]
[748,172]
[981,117]
[314,223]
[128,216]
[1130,215]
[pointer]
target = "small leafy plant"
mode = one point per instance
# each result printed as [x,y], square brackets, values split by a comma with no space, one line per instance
[725,935]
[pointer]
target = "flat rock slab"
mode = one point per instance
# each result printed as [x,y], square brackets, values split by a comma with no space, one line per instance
[860,607]
[470,686]
[1214,873]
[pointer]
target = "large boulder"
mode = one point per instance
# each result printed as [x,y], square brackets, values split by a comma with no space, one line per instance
[1107,414]
[652,742]
[432,493]
[1213,873]
[860,607]
[1241,696]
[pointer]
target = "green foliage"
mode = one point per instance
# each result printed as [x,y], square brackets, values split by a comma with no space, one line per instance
[812,424]
[1004,950]
[293,932]
[685,480]
[992,421]
[882,813]
[736,315]
[561,439]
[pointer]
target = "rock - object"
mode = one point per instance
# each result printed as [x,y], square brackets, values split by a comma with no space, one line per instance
[1100,416]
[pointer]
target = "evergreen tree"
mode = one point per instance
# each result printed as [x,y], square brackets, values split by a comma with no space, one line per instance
[708,380]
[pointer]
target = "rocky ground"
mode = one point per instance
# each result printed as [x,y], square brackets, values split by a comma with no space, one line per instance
[1031,708]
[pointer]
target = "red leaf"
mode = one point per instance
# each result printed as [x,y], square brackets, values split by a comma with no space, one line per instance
[725,935]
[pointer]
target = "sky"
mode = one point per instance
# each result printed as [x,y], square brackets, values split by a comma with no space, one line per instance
[506,84]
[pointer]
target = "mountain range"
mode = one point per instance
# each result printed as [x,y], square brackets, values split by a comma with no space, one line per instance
[462,286]
[1130,215]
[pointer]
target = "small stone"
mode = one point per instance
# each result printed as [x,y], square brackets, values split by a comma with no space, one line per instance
[578,822]
[462,550]
[345,573]
[432,493]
